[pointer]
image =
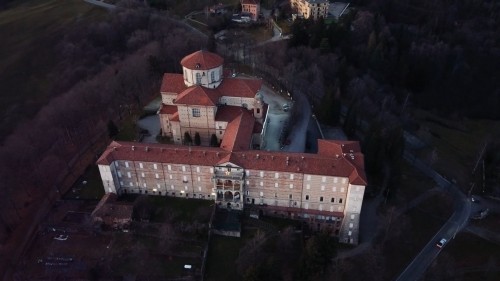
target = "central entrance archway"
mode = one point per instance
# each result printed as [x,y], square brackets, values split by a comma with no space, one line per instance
[228,195]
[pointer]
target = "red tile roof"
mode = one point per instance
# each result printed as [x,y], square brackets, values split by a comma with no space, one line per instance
[228,113]
[202,60]
[198,95]
[229,158]
[316,164]
[175,117]
[349,150]
[238,134]
[238,87]
[172,83]
[168,109]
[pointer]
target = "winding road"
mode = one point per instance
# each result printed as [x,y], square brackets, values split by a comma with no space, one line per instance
[456,223]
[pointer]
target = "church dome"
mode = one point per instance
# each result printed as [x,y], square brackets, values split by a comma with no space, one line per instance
[259,96]
[202,60]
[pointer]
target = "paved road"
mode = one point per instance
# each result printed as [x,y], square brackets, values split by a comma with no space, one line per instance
[101,4]
[455,223]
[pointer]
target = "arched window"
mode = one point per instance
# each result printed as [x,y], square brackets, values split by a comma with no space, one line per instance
[198,78]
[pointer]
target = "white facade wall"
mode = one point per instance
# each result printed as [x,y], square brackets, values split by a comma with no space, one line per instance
[210,78]
[350,224]
[271,188]
[238,101]
[108,180]
[167,98]
[190,181]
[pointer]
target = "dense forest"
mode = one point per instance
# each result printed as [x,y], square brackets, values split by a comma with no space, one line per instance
[103,70]
[443,54]
[385,58]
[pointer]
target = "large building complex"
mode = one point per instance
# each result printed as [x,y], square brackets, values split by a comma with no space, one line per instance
[324,189]
[311,8]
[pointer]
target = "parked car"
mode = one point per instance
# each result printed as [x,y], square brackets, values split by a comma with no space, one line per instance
[441,243]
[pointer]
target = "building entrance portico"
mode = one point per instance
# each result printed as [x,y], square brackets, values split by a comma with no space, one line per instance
[228,185]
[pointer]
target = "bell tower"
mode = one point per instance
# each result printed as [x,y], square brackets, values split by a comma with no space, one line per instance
[258,107]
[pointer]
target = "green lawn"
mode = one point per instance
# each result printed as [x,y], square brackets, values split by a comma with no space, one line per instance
[128,129]
[471,258]
[92,189]
[29,32]
[222,254]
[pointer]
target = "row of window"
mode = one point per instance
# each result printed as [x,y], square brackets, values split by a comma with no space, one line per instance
[199,75]
[182,193]
[332,200]
[185,180]
[158,185]
[155,167]
[247,172]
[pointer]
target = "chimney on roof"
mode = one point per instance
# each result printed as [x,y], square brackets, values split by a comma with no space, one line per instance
[204,153]
[114,148]
[243,155]
[146,149]
[217,154]
[190,150]
[133,147]
[302,157]
[257,156]
[287,158]
[272,157]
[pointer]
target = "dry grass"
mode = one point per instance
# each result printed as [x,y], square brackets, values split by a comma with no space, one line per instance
[457,143]
[29,32]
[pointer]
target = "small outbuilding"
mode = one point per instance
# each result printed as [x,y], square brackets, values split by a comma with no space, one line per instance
[111,213]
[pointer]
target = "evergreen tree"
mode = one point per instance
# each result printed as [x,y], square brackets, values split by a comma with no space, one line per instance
[187,138]
[112,129]
[211,43]
[213,141]
[197,139]
[317,256]
[351,121]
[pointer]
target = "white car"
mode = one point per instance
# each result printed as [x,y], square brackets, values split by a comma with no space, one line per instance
[441,243]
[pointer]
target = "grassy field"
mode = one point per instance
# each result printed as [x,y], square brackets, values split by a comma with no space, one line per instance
[222,254]
[92,189]
[458,143]
[29,32]
[472,258]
